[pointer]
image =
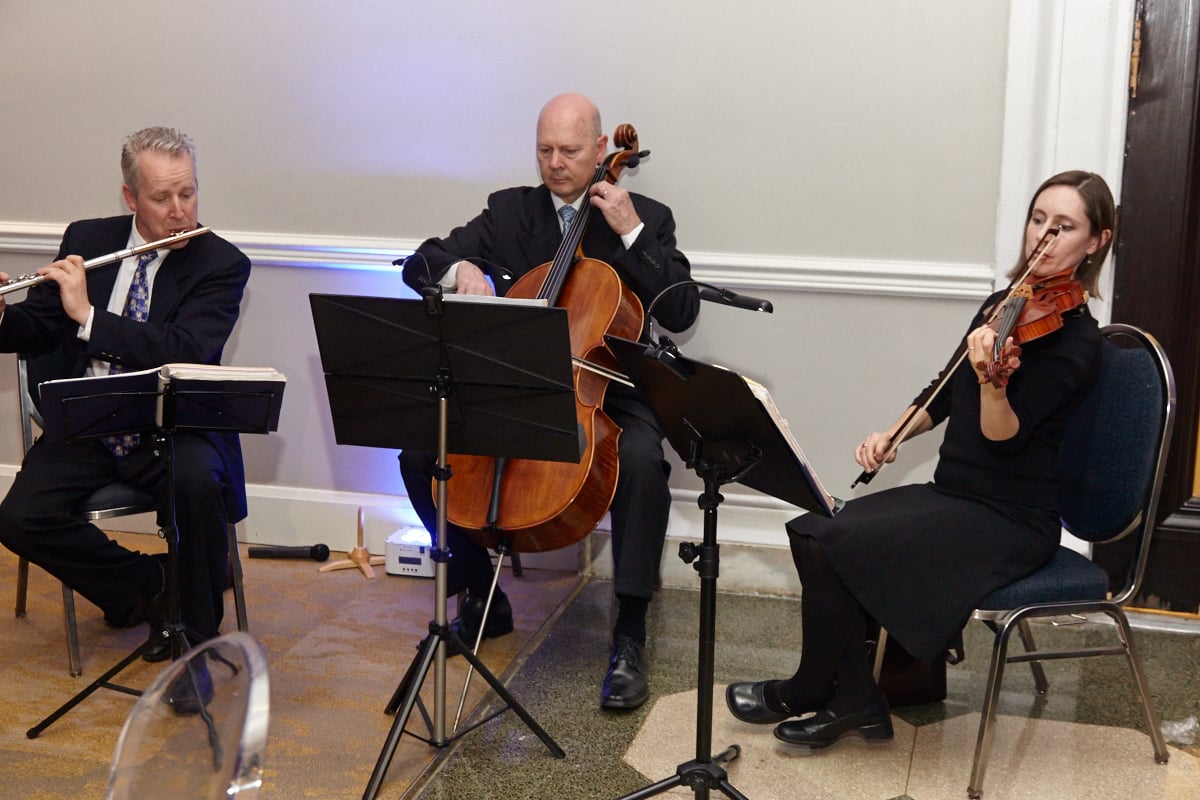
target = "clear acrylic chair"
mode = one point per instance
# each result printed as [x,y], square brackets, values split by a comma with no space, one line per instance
[200,728]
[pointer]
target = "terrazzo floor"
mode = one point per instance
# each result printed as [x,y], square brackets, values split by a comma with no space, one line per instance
[1083,740]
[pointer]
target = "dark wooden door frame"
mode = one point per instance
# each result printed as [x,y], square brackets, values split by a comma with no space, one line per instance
[1157,279]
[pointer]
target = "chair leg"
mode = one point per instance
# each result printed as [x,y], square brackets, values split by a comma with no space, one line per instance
[987,714]
[517,570]
[74,662]
[1039,672]
[22,586]
[1143,687]
[235,570]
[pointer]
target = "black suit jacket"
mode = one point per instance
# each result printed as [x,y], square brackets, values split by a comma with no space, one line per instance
[193,308]
[519,231]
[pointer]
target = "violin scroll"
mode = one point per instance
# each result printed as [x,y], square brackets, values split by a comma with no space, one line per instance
[1002,366]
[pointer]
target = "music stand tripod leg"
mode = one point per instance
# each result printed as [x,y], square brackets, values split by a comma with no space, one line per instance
[174,629]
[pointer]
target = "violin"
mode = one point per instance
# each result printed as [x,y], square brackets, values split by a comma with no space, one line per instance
[1007,361]
[1030,312]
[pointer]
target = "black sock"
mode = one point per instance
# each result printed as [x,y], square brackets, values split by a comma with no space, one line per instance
[631,618]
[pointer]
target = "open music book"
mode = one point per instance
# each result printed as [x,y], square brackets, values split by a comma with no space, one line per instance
[828,502]
[715,416]
[207,397]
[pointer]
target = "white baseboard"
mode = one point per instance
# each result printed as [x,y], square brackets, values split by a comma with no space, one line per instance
[754,554]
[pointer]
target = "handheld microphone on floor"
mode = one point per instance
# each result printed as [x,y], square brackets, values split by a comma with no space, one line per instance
[318,552]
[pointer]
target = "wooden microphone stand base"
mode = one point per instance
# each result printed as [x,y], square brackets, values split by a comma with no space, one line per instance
[358,557]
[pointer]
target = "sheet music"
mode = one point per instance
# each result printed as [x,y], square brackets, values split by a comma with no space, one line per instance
[216,372]
[768,403]
[167,372]
[536,302]
[128,401]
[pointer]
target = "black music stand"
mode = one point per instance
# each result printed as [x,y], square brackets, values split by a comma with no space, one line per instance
[727,430]
[479,378]
[153,402]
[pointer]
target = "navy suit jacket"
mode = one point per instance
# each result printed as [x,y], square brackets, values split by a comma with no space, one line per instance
[193,308]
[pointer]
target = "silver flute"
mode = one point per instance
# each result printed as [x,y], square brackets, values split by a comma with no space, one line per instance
[22,281]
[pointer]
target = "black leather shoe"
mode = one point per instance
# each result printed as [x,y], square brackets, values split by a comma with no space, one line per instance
[470,618]
[191,690]
[625,684]
[747,702]
[823,728]
[466,624]
[158,648]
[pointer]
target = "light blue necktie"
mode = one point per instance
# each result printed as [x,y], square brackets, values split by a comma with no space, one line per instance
[567,213]
[137,305]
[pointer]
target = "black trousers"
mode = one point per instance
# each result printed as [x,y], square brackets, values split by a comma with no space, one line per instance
[639,511]
[37,523]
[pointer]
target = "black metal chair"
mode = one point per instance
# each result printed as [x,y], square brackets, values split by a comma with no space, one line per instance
[113,500]
[1112,459]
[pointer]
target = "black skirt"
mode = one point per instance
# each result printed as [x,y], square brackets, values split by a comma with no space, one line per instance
[920,558]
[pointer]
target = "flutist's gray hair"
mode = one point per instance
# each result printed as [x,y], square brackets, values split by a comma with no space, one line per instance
[163,140]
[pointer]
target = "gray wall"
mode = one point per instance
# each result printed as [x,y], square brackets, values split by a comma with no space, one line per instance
[790,137]
[854,128]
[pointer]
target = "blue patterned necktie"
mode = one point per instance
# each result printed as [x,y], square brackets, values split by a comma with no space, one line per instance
[567,213]
[137,305]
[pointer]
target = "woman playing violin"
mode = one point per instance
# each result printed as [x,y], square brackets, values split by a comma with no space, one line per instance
[916,559]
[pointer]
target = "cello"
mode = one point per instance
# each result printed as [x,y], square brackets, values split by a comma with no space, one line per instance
[533,506]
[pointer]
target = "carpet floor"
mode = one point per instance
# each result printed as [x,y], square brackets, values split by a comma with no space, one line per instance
[337,646]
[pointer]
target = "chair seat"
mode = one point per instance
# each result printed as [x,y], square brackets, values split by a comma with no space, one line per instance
[1069,577]
[117,499]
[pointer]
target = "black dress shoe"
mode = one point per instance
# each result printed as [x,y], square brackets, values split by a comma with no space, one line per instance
[470,618]
[625,684]
[466,624]
[158,646]
[747,702]
[823,728]
[157,649]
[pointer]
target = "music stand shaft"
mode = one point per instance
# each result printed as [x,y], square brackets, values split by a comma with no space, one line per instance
[433,648]
[440,576]
[706,771]
[507,368]
[723,428]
